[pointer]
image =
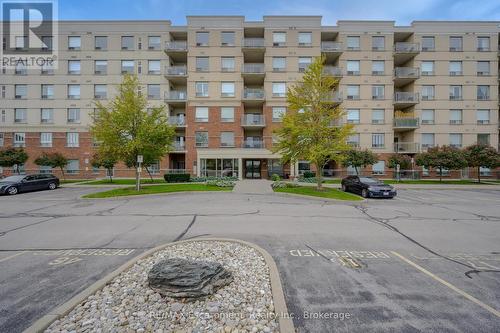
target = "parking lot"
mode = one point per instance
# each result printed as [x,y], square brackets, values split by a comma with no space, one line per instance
[428,260]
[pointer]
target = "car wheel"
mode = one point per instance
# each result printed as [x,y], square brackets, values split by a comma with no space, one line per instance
[344,188]
[12,190]
[365,193]
[52,186]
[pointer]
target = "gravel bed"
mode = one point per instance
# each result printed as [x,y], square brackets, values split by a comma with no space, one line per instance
[127,304]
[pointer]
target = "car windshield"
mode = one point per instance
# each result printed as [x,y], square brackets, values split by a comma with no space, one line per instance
[369,180]
[12,179]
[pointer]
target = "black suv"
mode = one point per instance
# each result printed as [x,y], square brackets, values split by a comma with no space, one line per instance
[368,187]
[25,183]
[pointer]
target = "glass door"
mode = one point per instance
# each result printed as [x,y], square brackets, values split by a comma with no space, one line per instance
[252,169]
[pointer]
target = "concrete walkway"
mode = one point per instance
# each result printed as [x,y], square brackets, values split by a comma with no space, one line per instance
[253,186]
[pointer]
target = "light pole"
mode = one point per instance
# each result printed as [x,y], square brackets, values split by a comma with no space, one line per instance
[140,159]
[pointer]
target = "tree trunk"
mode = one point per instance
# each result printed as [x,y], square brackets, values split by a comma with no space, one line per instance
[62,173]
[149,173]
[356,168]
[319,178]
[17,169]
[440,174]
[479,174]
[110,175]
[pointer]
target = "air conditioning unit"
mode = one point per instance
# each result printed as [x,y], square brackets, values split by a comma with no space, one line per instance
[455,122]
[97,47]
[151,47]
[124,47]
[483,122]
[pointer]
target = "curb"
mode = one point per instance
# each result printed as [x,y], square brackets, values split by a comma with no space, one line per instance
[149,195]
[284,194]
[280,308]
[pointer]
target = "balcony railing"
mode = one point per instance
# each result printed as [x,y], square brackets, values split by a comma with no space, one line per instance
[405,97]
[253,43]
[253,69]
[334,97]
[176,95]
[179,146]
[406,122]
[177,120]
[253,120]
[332,70]
[252,144]
[329,46]
[403,47]
[253,93]
[406,147]
[406,73]
[177,45]
[176,70]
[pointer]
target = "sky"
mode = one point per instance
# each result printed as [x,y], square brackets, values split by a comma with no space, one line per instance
[401,11]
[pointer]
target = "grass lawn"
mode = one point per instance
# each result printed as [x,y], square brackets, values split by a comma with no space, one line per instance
[70,181]
[330,193]
[332,181]
[120,192]
[436,182]
[126,181]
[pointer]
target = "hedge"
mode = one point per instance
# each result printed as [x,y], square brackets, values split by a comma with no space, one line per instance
[177,177]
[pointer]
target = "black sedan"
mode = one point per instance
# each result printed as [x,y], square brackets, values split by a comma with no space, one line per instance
[25,183]
[368,187]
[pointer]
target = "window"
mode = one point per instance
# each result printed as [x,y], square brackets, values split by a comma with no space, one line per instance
[128,66]
[201,114]
[304,62]
[378,168]
[73,115]
[74,43]
[378,43]
[305,39]
[483,43]
[47,91]
[378,116]
[201,89]
[1,140]
[20,115]
[352,67]
[153,91]
[154,42]
[427,140]
[21,69]
[378,92]
[201,38]
[455,44]
[278,113]
[21,90]
[279,64]
[127,42]
[100,91]
[21,42]
[227,114]
[73,166]
[427,117]
[456,140]
[202,64]
[353,140]
[74,67]
[483,68]
[73,91]
[101,67]
[484,172]
[46,116]
[46,139]
[483,139]
[353,43]
[483,117]
[455,68]
[227,64]
[428,43]
[219,167]
[455,92]
[427,68]
[455,117]
[47,69]
[154,67]
[378,67]
[47,43]
[378,140]
[19,140]
[201,139]
[227,89]
[353,116]
[101,43]
[279,38]
[427,93]
[227,38]
[353,92]
[72,139]
[279,89]
[227,139]
[483,93]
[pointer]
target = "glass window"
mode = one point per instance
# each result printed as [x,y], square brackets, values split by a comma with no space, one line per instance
[455,92]
[227,114]
[201,139]
[21,91]
[353,92]
[154,67]
[427,67]
[19,139]
[73,91]
[20,115]
[483,92]
[127,42]
[201,114]
[21,42]
[227,64]
[227,89]
[304,62]
[201,89]
[279,64]
[1,145]
[153,91]
[378,43]
[455,68]
[73,166]
[278,113]
[202,64]
[74,67]
[378,140]
[353,116]
[227,38]
[46,139]
[46,115]
[21,68]
[353,42]
[378,67]
[154,42]
[483,117]
[483,68]
[72,139]
[378,92]
[427,116]
[378,168]
[73,115]
[428,43]
[47,42]
[128,66]
[353,140]
[101,67]
[378,116]
[279,38]
[484,172]
[456,140]
[483,139]
[305,38]
[46,68]
[455,117]
[427,93]
[427,140]
[279,89]
[74,43]
[101,43]
[455,43]
[47,91]
[201,38]
[483,43]
[227,139]
[352,67]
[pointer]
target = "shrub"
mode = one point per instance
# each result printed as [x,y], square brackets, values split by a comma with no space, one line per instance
[311,180]
[177,177]
[220,183]
[280,184]
[204,179]
[275,177]
[309,174]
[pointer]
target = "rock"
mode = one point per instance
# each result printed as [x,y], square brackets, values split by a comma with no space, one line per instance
[176,307]
[183,278]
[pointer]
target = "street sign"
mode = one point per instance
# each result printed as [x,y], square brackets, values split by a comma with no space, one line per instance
[140,158]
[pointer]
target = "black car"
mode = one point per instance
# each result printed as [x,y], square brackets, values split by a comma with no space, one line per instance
[368,187]
[25,183]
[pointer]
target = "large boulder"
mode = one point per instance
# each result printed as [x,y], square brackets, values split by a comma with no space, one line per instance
[183,278]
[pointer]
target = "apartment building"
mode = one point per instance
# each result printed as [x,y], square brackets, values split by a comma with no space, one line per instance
[223,81]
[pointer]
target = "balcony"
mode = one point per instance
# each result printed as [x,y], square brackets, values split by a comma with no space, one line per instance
[332,71]
[404,51]
[404,124]
[335,97]
[253,95]
[179,121]
[253,121]
[405,75]
[179,146]
[406,147]
[176,49]
[403,99]
[253,73]
[252,144]
[331,47]
[253,46]
[176,74]
[176,97]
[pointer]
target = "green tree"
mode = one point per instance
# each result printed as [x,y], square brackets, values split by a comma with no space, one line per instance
[479,155]
[404,161]
[359,159]
[308,130]
[54,160]
[107,161]
[13,157]
[444,157]
[126,128]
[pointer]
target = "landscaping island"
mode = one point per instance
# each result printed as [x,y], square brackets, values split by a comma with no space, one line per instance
[157,189]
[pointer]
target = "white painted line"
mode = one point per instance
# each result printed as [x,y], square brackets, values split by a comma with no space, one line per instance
[449,285]
[12,256]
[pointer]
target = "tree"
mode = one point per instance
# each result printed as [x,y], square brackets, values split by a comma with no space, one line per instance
[54,160]
[107,161]
[404,161]
[126,128]
[444,157]
[479,155]
[360,159]
[13,157]
[308,130]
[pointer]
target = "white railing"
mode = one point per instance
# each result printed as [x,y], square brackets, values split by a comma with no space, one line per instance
[252,144]
[253,42]
[404,47]
[329,46]
[176,95]
[253,68]
[177,45]
[406,72]
[253,93]
[332,70]
[406,147]
[253,120]
[177,120]
[176,70]
[405,97]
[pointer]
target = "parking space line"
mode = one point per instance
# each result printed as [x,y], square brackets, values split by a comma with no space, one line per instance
[12,256]
[449,285]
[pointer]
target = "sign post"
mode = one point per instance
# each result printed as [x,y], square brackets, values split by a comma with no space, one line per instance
[397,172]
[140,159]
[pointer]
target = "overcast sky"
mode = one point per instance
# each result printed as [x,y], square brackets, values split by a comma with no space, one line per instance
[402,11]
